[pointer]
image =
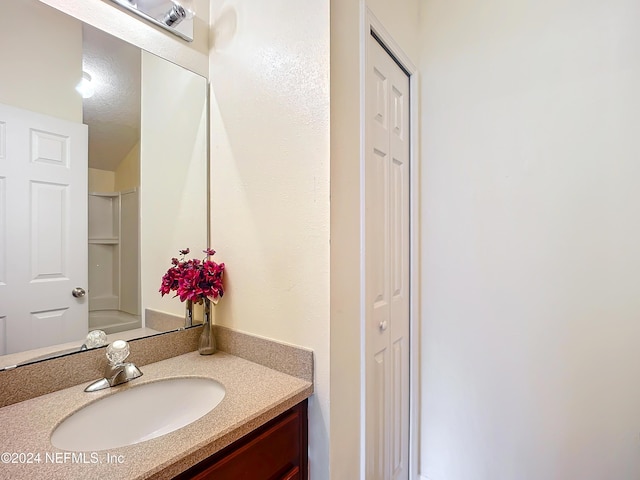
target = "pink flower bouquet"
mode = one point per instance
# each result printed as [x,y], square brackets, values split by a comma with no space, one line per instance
[194,279]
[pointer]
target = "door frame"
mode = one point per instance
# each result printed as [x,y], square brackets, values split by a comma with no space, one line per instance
[369,24]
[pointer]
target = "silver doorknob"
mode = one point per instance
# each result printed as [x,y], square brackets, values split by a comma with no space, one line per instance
[383,325]
[78,292]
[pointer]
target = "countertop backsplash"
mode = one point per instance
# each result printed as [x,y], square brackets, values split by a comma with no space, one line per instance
[30,381]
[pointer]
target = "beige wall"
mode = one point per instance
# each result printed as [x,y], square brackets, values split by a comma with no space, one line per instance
[173,174]
[530,119]
[345,238]
[41,69]
[101,181]
[127,175]
[270,180]
[400,20]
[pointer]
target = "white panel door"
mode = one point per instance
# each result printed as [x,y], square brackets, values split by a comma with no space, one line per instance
[43,230]
[386,267]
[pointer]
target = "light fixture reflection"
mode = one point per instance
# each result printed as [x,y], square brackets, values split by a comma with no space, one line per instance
[85,86]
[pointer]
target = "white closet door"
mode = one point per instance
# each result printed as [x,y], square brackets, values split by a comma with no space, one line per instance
[386,267]
[43,230]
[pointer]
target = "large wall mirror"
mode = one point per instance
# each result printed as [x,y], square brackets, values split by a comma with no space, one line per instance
[103,178]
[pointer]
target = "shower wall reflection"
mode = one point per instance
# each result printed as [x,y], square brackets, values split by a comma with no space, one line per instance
[114,183]
[114,279]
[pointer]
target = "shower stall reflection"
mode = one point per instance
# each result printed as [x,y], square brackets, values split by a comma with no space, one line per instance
[114,287]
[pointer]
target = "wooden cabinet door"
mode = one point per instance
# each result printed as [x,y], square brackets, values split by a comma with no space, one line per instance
[293,474]
[275,451]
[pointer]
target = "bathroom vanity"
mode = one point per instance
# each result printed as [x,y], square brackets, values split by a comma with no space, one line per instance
[258,430]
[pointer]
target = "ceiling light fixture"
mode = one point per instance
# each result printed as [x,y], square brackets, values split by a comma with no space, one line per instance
[85,86]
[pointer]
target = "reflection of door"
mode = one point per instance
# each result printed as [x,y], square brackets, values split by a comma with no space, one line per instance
[43,230]
[386,267]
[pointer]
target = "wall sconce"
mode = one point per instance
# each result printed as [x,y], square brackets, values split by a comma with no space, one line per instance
[175,16]
[177,13]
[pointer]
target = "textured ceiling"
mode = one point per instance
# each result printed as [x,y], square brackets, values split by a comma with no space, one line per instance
[113,112]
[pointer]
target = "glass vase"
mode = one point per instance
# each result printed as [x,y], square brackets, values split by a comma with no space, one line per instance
[188,314]
[207,344]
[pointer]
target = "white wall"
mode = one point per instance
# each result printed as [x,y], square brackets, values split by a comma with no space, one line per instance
[173,174]
[530,121]
[400,19]
[270,180]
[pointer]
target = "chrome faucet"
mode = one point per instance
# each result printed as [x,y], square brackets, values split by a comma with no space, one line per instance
[117,372]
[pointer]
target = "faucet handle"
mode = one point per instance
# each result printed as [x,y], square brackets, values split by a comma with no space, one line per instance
[117,352]
[95,339]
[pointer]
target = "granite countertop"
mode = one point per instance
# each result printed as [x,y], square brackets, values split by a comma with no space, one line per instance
[254,395]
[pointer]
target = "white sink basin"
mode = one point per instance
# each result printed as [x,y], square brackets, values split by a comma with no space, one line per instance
[138,414]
